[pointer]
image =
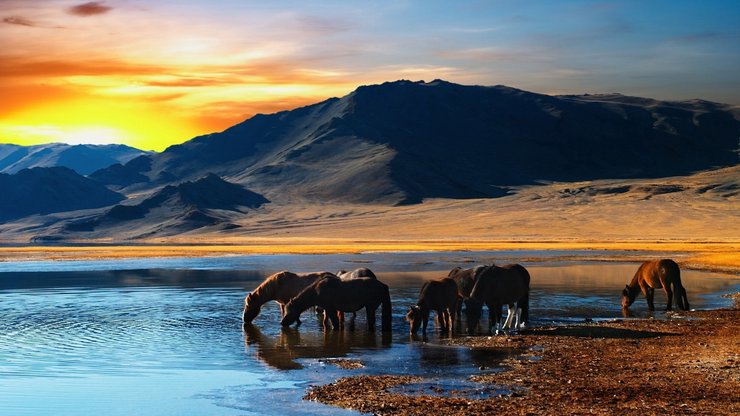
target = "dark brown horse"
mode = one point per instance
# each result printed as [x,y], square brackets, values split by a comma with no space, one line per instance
[497,286]
[465,279]
[438,295]
[361,273]
[280,287]
[653,275]
[336,295]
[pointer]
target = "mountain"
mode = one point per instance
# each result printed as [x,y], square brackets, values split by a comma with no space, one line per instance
[82,158]
[207,201]
[401,142]
[49,190]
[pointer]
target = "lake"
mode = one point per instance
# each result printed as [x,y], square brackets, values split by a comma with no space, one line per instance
[164,336]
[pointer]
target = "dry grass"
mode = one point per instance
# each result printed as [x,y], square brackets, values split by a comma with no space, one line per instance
[699,255]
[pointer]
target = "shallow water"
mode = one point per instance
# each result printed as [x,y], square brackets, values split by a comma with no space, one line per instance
[160,341]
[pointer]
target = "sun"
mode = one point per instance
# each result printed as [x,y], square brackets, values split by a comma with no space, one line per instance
[91,121]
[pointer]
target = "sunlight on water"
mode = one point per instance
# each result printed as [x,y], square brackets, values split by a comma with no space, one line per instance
[172,342]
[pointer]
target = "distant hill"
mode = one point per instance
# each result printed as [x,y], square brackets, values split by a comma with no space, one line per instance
[49,190]
[83,159]
[401,142]
[180,208]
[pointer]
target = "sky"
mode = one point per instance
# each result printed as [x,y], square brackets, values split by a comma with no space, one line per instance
[154,73]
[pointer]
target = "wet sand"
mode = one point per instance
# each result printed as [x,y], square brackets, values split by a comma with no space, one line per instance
[632,366]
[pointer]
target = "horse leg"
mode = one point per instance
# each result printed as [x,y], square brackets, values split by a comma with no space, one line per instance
[519,324]
[494,317]
[669,293]
[425,320]
[453,316]
[685,298]
[446,319]
[334,318]
[441,320]
[509,316]
[352,321]
[648,292]
[370,313]
[326,319]
[650,296]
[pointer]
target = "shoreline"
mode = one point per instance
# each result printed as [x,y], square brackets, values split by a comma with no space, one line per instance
[625,366]
[714,256]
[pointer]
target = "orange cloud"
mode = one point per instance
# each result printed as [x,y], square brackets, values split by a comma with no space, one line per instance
[89,9]
[18,20]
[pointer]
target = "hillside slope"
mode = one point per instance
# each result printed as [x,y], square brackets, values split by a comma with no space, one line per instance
[402,142]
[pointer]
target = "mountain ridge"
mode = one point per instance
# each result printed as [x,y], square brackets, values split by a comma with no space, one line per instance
[401,142]
[82,158]
[50,190]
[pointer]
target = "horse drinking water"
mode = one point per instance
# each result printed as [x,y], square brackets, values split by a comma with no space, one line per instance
[653,275]
[438,295]
[465,279]
[497,286]
[280,287]
[336,295]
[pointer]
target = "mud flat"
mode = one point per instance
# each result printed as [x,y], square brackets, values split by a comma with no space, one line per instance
[688,363]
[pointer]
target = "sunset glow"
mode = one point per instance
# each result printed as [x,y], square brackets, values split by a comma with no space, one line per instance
[151,74]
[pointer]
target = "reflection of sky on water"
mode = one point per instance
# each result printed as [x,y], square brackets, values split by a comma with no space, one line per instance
[171,341]
[403,261]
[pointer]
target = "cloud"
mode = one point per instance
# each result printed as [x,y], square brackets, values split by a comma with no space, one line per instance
[18,20]
[89,9]
[15,66]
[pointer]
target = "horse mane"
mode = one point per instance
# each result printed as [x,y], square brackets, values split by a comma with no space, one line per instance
[307,297]
[265,292]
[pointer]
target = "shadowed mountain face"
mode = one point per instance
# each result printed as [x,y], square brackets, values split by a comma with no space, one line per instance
[83,159]
[403,141]
[173,209]
[47,190]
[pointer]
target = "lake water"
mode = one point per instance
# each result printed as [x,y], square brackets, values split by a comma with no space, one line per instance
[164,336]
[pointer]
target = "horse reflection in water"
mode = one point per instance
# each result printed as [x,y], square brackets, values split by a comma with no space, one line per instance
[282,351]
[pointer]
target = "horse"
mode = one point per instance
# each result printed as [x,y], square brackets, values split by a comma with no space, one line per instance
[337,295]
[361,273]
[497,286]
[280,287]
[653,275]
[465,279]
[439,295]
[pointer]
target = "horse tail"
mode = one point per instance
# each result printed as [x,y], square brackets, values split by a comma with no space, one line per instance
[386,319]
[679,291]
[524,301]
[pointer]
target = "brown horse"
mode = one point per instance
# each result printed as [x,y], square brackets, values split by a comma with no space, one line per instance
[280,287]
[439,295]
[465,279]
[497,286]
[336,295]
[653,275]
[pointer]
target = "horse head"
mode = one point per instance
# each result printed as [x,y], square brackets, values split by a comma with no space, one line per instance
[414,318]
[251,308]
[473,311]
[292,312]
[628,297]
